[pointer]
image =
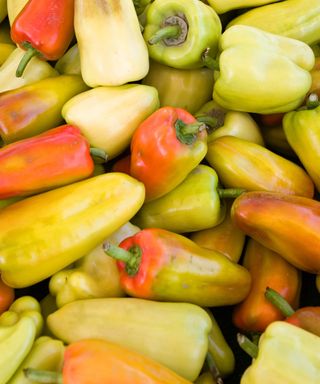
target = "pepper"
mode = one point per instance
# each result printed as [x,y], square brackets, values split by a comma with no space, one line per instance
[315,74]
[107,202]
[6,202]
[48,305]
[5,51]
[7,295]
[161,265]
[36,70]
[99,361]
[5,33]
[94,275]
[222,6]
[69,63]
[277,142]
[120,55]
[243,164]
[14,8]
[122,165]
[195,204]
[206,378]
[174,334]
[108,125]
[3,10]
[165,148]
[267,268]
[43,29]
[243,85]
[35,108]
[287,224]
[178,32]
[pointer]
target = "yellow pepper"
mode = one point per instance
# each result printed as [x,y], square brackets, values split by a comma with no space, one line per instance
[5,51]
[69,63]
[3,10]
[222,6]
[5,33]
[14,8]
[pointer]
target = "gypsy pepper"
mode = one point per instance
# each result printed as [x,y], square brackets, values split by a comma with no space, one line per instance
[43,29]
[165,148]
[161,265]
[287,224]
[7,295]
[222,6]
[178,32]
[174,334]
[107,202]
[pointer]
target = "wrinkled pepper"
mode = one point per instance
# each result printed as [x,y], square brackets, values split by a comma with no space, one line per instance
[100,361]
[108,125]
[178,32]
[121,55]
[165,148]
[243,164]
[174,334]
[107,202]
[69,63]
[43,29]
[222,6]
[7,295]
[287,224]
[267,269]
[5,51]
[158,264]
[35,108]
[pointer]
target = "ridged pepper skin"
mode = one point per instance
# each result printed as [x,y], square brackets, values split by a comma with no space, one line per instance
[164,265]
[76,217]
[240,163]
[287,224]
[199,28]
[174,334]
[267,269]
[162,153]
[257,83]
[35,108]
[302,19]
[54,158]
[222,6]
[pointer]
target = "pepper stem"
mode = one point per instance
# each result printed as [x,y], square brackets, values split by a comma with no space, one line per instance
[312,101]
[30,53]
[167,32]
[213,368]
[43,376]
[186,133]
[209,61]
[247,345]
[99,153]
[230,193]
[131,258]
[210,121]
[279,302]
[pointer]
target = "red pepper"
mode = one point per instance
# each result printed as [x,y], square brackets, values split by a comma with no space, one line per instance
[44,28]
[54,158]
[165,148]
[7,296]
[122,165]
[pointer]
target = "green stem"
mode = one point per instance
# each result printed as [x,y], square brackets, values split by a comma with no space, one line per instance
[312,101]
[247,345]
[209,61]
[167,32]
[30,53]
[99,153]
[230,193]
[43,376]
[279,302]
[210,121]
[186,133]
[131,258]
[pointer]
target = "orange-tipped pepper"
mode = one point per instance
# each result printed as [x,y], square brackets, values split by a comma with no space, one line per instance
[43,28]
[165,148]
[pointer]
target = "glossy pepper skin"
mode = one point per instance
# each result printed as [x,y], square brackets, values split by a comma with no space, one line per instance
[222,6]
[54,158]
[44,28]
[287,224]
[107,202]
[165,148]
[164,265]
[14,8]
[267,269]
[174,334]
[35,108]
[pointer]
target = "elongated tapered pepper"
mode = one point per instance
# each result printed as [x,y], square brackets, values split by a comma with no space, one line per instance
[76,217]
[287,224]
[267,268]
[222,6]
[43,29]
[162,265]
[7,295]
[165,148]
[174,334]
[243,164]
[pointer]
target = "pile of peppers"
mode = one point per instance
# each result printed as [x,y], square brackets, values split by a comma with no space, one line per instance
[159,191]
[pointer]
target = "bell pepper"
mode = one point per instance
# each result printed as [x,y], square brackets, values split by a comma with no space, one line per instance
[302,19]
[272,75]
[35,108]
[43,29]
[158,264]
[108,125]
[99,361]
[225,237]
[286,354]
[243,164]
[46,353]
[267,269]
[165,148]
[107,202]
[54,158]
[69,63]
[4,203]
[121,55]
[178,32]
[195,204]
[222,6]
[174,334]
[7,295]
[48,305]
[94,275]
[141,5]
[287,224]
[14,8]
[36,70]
[5,51]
